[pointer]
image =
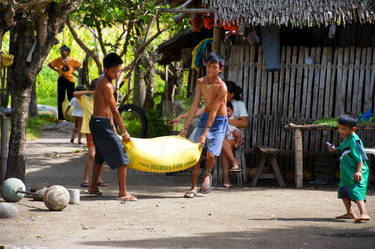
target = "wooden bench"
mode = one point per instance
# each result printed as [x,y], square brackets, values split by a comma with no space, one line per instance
[268,155]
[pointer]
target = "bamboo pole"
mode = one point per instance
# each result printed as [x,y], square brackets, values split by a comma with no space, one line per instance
[298,158]
[218,32]
[4,145]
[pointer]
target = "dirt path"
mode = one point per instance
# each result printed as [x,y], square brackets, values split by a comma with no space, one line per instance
[243,217]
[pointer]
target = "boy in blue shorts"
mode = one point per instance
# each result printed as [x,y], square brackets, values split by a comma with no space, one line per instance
[353,169]
[108,146]
[213,123]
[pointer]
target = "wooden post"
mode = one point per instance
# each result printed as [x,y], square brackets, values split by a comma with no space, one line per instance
[218,34]
[4,146]
[298,158]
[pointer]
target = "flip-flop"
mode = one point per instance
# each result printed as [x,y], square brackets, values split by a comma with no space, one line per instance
[95,193]
[127,198]
[190,194]
[227,186]
[102,184]
[235,169]
[205,189]
[85,185]
[360,219]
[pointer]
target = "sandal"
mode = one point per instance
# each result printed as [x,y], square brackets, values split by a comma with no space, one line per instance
[205,189]
[85,185]
[127,198]
[227,185]
[235,169]
[191,194]
[94,193]
[102,184]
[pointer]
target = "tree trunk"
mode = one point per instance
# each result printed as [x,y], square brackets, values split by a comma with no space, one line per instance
[20,111]
[149,65]
[21,74]
[33,110]
[139,86]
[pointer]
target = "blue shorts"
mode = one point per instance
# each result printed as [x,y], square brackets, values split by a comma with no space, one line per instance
[108,146]
[216,134]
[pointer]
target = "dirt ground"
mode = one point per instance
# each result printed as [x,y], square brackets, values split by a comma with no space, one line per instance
[243,217]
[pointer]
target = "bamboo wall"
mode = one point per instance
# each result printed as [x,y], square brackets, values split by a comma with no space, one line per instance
[338,80]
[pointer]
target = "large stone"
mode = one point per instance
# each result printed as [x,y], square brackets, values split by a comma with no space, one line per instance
[10,187]
[8,210]
[56,198]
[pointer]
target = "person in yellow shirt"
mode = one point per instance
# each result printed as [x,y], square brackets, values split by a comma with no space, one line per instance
[65,66]
[86,101]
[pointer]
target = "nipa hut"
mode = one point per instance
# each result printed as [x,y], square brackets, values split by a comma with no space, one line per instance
[314,59]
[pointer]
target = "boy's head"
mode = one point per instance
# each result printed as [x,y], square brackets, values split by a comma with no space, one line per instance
[214,65]
[112,66]
[346,124]
[80,88]
[64,51]
[93,84]
[229,109]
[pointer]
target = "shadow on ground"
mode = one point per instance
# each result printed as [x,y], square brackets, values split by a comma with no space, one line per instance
[312,237]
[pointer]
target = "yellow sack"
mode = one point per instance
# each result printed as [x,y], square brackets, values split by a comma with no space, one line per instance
[162,154]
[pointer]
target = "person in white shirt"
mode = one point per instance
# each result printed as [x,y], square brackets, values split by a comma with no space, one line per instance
[77,115]
[239,120]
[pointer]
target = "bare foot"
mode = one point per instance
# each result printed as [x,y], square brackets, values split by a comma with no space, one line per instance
[363,217]
[346,216]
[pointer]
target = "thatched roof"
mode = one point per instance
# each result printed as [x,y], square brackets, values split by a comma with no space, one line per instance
[298,13]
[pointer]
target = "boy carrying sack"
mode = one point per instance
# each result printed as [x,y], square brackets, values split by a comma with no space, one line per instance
[353,169]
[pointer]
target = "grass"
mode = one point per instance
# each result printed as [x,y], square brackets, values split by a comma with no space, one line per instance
[34,126]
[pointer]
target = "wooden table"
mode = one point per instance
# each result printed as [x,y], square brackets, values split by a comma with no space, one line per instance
[298,149]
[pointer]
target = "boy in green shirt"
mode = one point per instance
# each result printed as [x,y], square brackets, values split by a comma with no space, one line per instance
[353,169]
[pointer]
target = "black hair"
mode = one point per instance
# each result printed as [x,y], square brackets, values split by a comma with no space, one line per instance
[80,88]
[214,57]
[112,60]
[93,84]
[230,105]
[233,88]
[65,48]
[348,119]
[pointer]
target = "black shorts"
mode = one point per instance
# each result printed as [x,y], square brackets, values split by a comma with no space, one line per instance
[108,145]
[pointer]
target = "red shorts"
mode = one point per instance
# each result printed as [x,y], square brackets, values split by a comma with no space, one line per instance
[89,140]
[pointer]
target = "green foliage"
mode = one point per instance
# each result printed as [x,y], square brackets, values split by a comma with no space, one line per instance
[156,126]
[34,126]
[332,122]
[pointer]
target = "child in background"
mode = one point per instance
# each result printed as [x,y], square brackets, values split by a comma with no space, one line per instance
[234,136]
[353,169]
[86,101]
[77,115]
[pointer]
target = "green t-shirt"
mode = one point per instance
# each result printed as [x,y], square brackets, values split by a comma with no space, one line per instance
[351,152]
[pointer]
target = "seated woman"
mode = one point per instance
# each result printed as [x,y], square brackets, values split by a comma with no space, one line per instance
[239,119]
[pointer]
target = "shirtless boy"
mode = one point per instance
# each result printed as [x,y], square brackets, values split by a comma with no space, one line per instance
[213,122]
[107,143]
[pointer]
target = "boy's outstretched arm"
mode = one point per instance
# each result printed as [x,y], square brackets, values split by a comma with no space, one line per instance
[78,94]
[192,110]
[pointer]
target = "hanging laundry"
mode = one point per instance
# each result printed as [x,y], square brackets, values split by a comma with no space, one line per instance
[198,52]
[271,47]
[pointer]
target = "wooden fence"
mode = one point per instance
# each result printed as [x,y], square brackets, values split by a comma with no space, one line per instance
[313,83]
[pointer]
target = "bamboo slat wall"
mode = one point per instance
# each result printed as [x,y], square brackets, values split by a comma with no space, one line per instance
[313,83]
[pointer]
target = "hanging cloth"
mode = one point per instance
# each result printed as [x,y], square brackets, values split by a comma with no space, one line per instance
[271,47]
[198,52]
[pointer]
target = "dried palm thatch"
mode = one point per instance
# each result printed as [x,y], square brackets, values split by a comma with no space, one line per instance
[297,13]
